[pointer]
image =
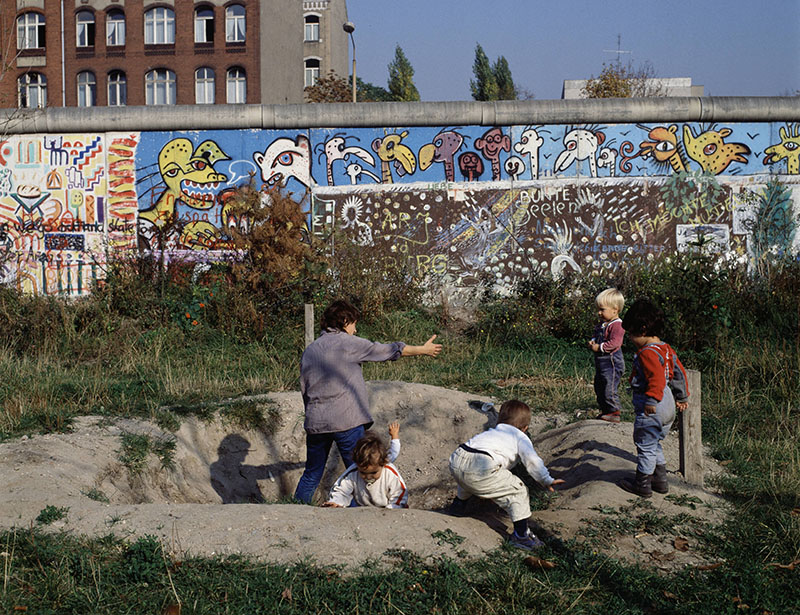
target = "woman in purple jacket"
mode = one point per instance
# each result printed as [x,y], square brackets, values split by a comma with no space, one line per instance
[334,391]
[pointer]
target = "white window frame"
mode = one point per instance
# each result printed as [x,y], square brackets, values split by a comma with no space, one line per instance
[202,34]
[235,24]
[159,26]
[115,28]
[32,82]
[87,89]
[204,84]
[311,73]
[84,29]
[117,89]
[311,28]
[30,31]
[236,86]
[160,87]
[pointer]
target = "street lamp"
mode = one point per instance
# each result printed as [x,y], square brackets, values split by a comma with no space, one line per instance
[350,27]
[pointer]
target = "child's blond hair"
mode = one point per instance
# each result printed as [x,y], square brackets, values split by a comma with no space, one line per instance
[516,413]
[612,298]
[370,450]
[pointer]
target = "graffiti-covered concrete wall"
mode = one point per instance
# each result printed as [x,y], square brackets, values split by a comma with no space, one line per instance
[453,199]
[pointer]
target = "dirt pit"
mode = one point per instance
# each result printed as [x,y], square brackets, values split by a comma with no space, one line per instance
[217,495]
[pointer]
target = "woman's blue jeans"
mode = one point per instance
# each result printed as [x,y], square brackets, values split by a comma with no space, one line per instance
[318,445]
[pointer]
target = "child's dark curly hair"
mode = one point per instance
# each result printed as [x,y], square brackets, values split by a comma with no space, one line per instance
[370,450]
[644,318]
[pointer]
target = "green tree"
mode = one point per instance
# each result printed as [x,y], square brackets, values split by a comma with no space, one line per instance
[484,86]
[506,90]
[401,78]
[624,81]
[369,92]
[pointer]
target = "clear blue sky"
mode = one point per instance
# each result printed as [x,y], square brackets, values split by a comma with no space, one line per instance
[733,47]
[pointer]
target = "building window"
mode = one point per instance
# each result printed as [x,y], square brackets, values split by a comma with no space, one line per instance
[204,86]
[312,72]
[159,26]
[237,86]
[160,87]
[87,89]
[32,90]
[117,89]
[204,25]
[30,31]
[311,28]
[84,29]
[234,24]
[115,28]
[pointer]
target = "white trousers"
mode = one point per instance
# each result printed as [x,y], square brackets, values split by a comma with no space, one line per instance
[480,475]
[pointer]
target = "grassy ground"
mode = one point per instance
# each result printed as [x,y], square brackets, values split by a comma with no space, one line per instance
[751,414]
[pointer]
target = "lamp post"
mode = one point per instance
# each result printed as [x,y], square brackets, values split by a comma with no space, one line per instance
[350,27]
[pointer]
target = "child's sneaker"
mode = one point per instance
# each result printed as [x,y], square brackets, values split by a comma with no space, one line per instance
[529,542]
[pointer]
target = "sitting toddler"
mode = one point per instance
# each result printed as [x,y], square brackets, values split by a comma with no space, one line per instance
[372,480]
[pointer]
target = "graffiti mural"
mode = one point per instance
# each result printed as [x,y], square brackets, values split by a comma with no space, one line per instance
[53,211]
[462,202]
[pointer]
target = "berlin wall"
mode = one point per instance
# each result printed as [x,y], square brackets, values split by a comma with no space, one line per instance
[459,190]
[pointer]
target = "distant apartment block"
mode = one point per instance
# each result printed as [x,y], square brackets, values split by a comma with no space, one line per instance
[167,52]
[672,86]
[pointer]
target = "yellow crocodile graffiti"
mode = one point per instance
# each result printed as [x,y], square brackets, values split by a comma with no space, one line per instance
[191,179]
[788,149]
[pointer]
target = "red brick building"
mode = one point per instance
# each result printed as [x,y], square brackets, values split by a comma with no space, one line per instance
[153,52]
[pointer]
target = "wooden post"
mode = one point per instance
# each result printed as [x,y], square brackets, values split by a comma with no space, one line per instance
[309,323]
[691,434]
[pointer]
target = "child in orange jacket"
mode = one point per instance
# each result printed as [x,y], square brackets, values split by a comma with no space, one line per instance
[659,386]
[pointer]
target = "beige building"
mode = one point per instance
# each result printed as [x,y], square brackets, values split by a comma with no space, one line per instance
[325,43]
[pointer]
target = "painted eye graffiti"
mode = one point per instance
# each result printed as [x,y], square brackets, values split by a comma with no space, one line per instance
[791,145]
[664,146]
[710,149]
[173,172]
[199,165]
[572,145]
[284,158]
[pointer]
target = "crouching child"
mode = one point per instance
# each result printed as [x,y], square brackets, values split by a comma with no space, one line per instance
[372,480]
[481,467]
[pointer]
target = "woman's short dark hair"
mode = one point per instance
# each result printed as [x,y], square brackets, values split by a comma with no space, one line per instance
[644,318]
[338,314]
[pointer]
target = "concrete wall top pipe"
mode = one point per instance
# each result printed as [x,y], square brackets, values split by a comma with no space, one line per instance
[501,113]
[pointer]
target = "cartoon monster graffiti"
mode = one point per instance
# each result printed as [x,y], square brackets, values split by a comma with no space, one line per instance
[334,149]
[285,158]
[490,145]
[442,149]
[580,144]
[788,149]
[607,157]
[190,179]
[529,145]
[471,166]
[711,152]
[391,149]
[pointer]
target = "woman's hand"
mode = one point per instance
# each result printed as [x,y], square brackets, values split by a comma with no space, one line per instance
[431,349]
[428,348]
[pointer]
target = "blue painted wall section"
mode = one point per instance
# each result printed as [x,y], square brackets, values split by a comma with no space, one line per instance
[457,201]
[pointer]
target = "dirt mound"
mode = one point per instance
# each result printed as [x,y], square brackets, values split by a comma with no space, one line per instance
[189,503]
